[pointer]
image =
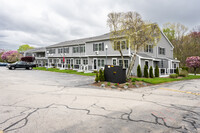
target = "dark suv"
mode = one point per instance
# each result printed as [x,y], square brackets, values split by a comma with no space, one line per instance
[21,64]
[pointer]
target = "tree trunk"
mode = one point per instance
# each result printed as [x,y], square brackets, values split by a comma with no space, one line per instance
[131,65]
[195,73]
[122,59]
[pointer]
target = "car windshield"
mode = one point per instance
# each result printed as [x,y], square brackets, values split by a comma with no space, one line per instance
[19,62]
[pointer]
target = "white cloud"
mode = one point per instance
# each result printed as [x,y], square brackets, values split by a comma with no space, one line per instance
[45,22]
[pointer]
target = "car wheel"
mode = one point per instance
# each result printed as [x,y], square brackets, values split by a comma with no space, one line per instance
[30,68]
[13,68]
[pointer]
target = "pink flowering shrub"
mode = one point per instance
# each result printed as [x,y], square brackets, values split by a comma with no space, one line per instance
[193,62]
[10,56]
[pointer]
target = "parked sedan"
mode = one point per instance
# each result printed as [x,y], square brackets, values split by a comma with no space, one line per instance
[3,64]
[21,64]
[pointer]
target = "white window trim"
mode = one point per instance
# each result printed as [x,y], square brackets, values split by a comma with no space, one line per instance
[114,59]
[124,60]
[163,48]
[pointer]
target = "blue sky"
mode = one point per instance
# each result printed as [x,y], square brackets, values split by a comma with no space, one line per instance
[44,22]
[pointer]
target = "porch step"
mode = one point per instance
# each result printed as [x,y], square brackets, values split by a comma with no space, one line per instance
[79,70]
[88,71]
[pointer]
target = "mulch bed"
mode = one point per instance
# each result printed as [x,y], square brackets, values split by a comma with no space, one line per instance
[137,84]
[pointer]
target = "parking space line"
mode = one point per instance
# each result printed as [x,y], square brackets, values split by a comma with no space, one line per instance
[187,92]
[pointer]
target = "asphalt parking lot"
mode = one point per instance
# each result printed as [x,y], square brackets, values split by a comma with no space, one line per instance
[34,101]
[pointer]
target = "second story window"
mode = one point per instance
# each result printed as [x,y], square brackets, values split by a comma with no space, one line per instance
[52,51]
[161,50]
[82,49]
[75,49]
[66,50]
[148,48]
[98,47]
[120,45]
[60,50]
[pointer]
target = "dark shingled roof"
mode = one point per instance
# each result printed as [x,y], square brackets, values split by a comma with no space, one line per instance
[81,41]
[41,49]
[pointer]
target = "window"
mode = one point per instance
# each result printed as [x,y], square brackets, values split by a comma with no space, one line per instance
[149,48]
[114,62]
[100,62]
[98,47]
[125,61]
[75,49]
[147,63]
[82,49]
[85,61]
[60,50]
[68,61]
[66,50]
[120,45]
[52,51]
[78,61]
[174,65]
[161,50]
[162,63]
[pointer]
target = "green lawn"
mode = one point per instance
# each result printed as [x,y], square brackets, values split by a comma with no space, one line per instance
[64,71]
[164,80]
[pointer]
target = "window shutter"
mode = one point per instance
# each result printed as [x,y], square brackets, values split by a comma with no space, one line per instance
[102,46]
[158,50]
[94,47]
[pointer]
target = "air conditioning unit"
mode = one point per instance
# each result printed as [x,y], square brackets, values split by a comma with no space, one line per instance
[96,52]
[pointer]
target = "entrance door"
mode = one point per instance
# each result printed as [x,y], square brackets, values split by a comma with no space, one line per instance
[72,63]
[95,63]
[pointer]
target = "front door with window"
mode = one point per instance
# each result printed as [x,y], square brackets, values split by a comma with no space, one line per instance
[174,65]
[72,63]
[95,64]
[147,63]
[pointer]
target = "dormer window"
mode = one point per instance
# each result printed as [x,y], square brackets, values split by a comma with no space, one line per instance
[161,51]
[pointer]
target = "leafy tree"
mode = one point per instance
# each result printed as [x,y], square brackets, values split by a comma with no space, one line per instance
[156,71]
[1,52]
[151,72]
[24,48]
[139,72]
[176,33]
[146,74]
[170,33]
[193,62]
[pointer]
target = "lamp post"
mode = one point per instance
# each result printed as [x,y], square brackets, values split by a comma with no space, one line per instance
[106,52]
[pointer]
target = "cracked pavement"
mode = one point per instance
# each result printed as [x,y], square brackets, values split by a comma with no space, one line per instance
[34,101]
